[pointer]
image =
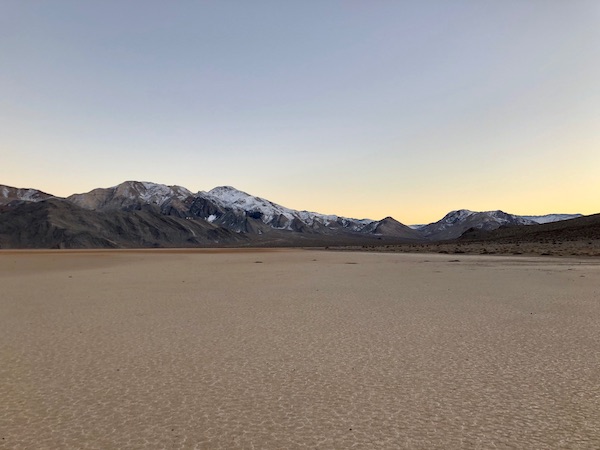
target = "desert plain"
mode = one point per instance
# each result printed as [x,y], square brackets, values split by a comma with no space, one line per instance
[293,349]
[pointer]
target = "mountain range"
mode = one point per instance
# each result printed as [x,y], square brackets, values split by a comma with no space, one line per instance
[144,214]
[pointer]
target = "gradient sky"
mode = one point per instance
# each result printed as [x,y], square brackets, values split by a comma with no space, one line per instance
[358,108]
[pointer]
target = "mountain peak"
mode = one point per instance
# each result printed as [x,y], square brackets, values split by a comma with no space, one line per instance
[457,216]
[9,194]
[227,192]
[230,197]
[130,194]
[146,186]
[453,224]
[225,188]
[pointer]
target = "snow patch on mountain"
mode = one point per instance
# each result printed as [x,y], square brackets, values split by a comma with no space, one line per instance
[505,218]
[151,193]
[456,216]
[548,218]
[502,218]
[229,197]
[9,194]
[29,195]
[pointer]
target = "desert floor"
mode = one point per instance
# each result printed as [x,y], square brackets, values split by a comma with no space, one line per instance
[279,349]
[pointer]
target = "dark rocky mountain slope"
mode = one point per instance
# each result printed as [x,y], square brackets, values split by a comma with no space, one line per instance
[57,223]
[578,229]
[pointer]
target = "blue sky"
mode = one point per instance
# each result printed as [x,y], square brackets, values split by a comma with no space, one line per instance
[359,108]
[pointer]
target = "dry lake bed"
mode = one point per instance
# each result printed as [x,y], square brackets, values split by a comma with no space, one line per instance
[278,349]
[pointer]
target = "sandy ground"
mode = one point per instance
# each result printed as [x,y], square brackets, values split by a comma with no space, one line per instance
[297,349]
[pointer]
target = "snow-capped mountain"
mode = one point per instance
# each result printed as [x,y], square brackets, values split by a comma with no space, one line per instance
[131,195]
[10,194]
[144,214]
[238,210]
[455,223]
[549,218]
[232,209]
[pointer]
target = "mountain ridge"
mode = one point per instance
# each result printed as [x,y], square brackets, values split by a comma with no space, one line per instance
[456,222]
[10,194]
[144,206]
[145,214]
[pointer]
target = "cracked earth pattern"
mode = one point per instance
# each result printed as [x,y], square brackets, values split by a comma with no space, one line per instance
[308,350]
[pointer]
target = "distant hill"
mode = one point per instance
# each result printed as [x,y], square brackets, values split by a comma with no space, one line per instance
[578,229]
[455,223]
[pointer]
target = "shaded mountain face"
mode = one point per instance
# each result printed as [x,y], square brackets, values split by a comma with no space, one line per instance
[390,226]
[582,228]
[58,223]
[455,223]
[9,194]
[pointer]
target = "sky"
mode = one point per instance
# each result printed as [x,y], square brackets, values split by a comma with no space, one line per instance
[364,109]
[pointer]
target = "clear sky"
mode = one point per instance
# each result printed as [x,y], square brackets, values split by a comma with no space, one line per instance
[358,108]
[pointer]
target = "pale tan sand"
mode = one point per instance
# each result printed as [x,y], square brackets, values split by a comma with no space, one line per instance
[307,349]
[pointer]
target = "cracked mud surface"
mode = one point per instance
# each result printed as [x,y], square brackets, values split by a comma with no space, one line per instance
[309,349]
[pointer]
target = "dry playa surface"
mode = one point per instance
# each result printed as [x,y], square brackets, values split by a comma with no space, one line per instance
[293,349]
